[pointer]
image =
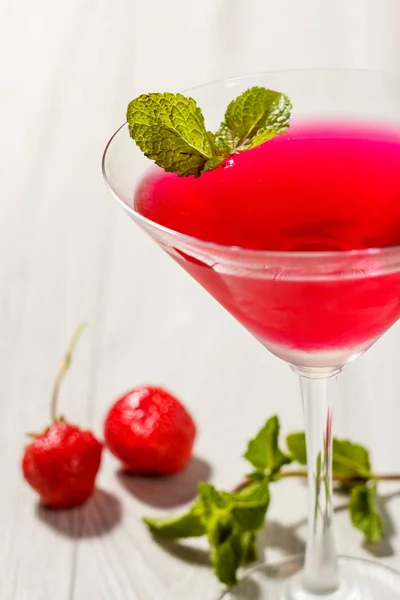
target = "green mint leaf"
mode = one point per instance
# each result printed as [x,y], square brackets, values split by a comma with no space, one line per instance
[219,148]
[222,532]
[216,515]
[220,528]
[254,117]
[226,559]
[249,509]
[212,163]
[296,443]
[187,525]
[255,491]
[262,136]
[231,522]
[211,499]
[249,547]
[263,451]
[169,129]
[364,512]
[351,459]
[225,142]
[348,458]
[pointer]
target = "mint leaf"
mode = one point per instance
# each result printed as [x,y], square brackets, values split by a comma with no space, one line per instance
[351,459]
[226,558]
[225,141]
[212,163]
[364,512]
[219,528]
[249,509]
[187,525]
[249,547]
[211,499]
[263,451]
[231,522]
[255,490]
[296,443]
[222,532]
[262,136]
[169,129]
[254,117]
[348,458]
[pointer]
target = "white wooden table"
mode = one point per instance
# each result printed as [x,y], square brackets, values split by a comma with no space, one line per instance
[68,253]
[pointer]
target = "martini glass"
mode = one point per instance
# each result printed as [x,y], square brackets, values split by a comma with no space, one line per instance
[317,308]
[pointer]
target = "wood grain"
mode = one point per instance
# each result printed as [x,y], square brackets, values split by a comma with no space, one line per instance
[67,253]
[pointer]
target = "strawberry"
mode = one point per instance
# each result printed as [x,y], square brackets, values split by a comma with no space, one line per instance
[61,463]
[150,432]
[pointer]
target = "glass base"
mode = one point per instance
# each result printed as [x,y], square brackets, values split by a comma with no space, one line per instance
[361,580]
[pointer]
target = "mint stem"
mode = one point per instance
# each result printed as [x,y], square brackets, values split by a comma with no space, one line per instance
[344,477]
[341,477]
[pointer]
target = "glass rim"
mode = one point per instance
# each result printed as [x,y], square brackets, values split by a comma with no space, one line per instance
[248,252]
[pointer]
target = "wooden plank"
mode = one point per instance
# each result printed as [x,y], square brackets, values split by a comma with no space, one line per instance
[67,253]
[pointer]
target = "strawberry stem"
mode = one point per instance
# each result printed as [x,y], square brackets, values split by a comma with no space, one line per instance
[63,369]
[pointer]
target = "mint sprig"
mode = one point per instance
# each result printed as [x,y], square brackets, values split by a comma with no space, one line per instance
[190,524]
[231,521]
[351,459]
[254,117]
[263,451]
[364,511]
[170,128]
[296,443]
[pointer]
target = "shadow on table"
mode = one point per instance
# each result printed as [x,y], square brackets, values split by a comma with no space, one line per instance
[285,538]
[186,553]
[168,492]
[97,517]
[281,537]
[263,577]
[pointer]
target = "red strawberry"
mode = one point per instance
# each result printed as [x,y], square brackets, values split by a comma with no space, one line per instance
[150,431]
[61,463]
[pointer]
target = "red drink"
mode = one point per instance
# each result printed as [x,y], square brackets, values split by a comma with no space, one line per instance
[318,188]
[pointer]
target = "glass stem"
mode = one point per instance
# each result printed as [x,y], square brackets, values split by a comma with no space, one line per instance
[321,573]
